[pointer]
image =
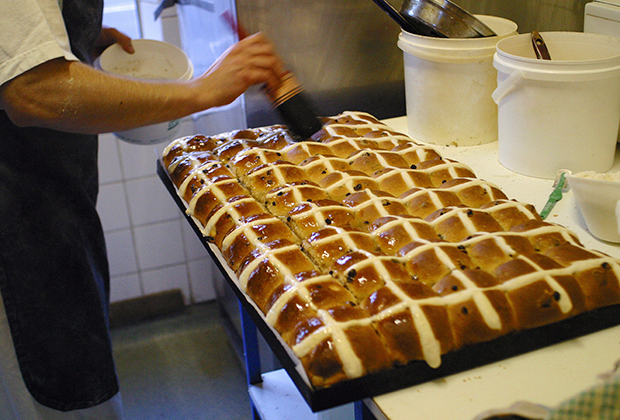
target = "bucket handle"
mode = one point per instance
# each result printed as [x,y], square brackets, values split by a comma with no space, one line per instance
[507,86]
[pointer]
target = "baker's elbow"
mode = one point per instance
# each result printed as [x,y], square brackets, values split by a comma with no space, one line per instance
[21,111]
[13,109]
[19,104]
[20,119]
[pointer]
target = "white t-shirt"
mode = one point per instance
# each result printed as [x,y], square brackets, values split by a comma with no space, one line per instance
[31,33]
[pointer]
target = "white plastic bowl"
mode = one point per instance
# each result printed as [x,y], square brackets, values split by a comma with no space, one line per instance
[153,60]
[597,200]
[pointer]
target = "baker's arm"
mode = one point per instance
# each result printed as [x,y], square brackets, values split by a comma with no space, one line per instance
[74,97]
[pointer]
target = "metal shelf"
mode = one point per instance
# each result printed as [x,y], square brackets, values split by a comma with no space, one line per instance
[273,395]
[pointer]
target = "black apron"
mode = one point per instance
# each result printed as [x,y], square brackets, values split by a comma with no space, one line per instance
[54,275]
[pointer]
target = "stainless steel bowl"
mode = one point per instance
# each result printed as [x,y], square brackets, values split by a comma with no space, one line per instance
[444,19]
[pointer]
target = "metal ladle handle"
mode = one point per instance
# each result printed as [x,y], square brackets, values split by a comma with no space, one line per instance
[540,48]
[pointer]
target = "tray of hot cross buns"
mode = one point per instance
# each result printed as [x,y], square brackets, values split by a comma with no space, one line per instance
[370,262]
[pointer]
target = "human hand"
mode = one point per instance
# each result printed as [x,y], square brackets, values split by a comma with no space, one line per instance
[109,36]
[251,61]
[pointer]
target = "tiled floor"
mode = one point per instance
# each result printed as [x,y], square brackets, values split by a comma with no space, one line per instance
[180,367]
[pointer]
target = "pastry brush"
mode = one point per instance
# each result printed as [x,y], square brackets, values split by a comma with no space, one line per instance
[295,107]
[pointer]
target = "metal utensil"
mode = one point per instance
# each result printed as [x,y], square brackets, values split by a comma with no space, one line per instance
[396,16]
[540,48]
[442,18]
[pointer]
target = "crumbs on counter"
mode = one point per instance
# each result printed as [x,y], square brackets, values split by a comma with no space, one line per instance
[614,176]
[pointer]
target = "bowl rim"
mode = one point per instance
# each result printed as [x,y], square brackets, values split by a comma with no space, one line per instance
[592,180]
[139,43]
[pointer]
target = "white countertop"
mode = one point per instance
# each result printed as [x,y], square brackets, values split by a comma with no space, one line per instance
[546,376]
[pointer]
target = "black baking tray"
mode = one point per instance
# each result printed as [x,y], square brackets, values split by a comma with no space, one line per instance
[416,372]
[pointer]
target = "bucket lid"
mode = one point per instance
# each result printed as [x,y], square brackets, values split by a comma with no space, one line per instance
[575,56]
[457,50]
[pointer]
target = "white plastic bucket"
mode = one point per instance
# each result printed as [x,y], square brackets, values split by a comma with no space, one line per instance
[154,60]
[562,113]
[448,85]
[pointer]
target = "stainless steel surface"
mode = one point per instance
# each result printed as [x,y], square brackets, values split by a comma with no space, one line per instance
[343,52]
[541,15]
[387,7]
[442,18]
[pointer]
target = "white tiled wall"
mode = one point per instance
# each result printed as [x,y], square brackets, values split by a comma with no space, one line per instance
[151,247]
